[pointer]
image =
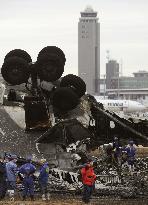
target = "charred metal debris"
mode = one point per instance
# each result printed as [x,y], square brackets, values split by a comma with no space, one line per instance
[70,121]
[60,106]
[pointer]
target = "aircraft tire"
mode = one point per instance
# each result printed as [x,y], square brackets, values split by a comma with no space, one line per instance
[15,70]
[74,82]
[49,68]
[64,99]
[52,51]
[19,53]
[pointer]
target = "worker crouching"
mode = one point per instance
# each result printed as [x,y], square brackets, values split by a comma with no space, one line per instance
[88,180]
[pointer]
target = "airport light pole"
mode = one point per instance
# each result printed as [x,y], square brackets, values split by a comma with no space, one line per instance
[104,83]
[118,85]
[104,77]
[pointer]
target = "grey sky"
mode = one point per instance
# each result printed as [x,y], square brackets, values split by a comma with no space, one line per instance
[33,24]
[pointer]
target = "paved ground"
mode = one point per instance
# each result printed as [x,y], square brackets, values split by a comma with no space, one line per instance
[79,202]
[14,138]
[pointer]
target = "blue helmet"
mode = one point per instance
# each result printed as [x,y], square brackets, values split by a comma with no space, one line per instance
[131,142]
[29,159]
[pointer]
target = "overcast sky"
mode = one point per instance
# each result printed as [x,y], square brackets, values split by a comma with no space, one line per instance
[34,24]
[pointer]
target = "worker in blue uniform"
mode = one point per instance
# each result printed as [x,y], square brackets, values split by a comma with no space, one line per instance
[3,185]
[43,179]
[28,171]
[131,154]
[11,173]
[117,150]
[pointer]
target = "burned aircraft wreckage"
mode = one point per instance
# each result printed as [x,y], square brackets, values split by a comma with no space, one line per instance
[63,115]
[60,107]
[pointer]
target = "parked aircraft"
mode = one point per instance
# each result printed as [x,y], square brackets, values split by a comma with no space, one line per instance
[121,105]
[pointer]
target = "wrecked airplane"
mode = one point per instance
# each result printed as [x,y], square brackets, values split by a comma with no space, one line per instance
[62,122]
[59,108]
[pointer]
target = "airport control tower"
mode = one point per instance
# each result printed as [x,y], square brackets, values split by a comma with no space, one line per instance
[89,50]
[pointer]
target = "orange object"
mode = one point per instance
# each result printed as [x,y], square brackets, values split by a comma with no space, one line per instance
[88,175]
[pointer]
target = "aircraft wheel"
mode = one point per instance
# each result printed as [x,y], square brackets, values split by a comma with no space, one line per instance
[74,82]
[49,68]
[15,70]
[64,99]
[19,53]
[52,51]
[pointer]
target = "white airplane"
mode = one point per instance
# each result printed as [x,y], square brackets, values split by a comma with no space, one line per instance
[121,105]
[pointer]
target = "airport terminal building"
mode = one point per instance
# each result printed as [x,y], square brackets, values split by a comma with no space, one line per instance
[133,88]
